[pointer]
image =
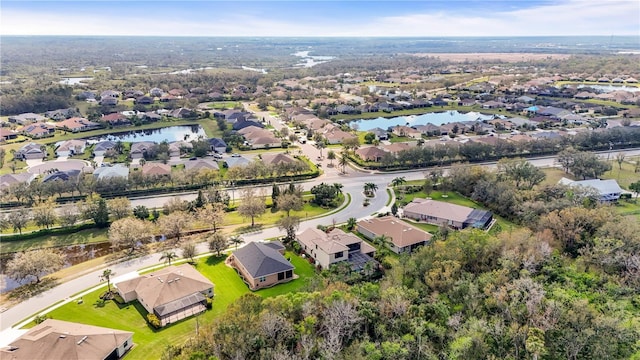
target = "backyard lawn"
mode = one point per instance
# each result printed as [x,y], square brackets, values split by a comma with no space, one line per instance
[150,343]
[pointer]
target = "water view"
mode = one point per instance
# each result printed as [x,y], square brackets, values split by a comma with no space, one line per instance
[439,118]
[75,80]
[170,134]
[610,88]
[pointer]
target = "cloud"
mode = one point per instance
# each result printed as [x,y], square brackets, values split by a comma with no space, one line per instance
[569,17]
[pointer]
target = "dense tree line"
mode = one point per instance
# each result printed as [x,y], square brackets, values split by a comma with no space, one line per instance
[423,156]
[36,100]
[471,296]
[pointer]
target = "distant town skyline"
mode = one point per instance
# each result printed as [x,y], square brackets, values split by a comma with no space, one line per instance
[322,18]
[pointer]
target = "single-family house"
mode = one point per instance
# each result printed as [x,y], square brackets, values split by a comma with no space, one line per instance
[201,164]
[110,172]
[26,118]
[404,237]
[262,265]
[328,248]
[139,149]
[61,114]
[172,293]
[218,145]
[37,130]
[608,190]
[109,94]
[109,101]
[8,180]
[442,213]
[395,148]
[371,153]
[76,124]
[182,113]
[7,134]
[70,147]
[115,119]
[156,169]
[335,135]
[62,340]
[401,130]
[176,148]
[242,124]
[236,161]
[72,175]
[380,134]
[31,151]
[277,158]
[99,149]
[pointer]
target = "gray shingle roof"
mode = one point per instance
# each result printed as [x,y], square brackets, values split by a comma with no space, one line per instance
[262,259]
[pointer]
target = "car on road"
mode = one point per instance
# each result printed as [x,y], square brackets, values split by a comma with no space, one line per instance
[235,155]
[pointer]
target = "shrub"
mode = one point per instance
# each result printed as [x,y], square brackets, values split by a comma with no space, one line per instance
[153,320]
[209,303]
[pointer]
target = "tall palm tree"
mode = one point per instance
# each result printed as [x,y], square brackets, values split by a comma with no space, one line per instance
[320,145]
[398,181]
[236,240]
[167,256]
[106,276]
[344,162]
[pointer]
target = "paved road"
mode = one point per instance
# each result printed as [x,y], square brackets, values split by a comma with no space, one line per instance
[352,181]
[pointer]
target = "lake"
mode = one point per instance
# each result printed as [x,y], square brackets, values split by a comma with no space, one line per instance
[610,88]
[75,80]
[170,134]
[437,118]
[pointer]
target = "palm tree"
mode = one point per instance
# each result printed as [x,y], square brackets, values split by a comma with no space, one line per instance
[167,256]
[384,243]
[344,162]
[398,181]
[320,145]
[331,155]
[106,275]
[351,223]
[370,188]
[338,187]
[236,240]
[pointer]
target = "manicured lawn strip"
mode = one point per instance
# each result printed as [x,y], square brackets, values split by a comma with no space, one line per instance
[151,343]
[390,197]
[269,218]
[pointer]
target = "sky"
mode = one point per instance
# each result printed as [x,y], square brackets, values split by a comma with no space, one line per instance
[333,18]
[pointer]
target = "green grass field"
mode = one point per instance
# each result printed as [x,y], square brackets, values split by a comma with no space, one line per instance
[150,343]
[625,175]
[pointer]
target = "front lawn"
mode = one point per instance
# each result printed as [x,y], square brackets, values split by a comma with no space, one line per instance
[150,343]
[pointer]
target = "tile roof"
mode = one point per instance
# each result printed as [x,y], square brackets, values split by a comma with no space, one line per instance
[55,339]
[401,233]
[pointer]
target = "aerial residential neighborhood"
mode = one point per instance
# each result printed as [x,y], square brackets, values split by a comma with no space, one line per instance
[400,180]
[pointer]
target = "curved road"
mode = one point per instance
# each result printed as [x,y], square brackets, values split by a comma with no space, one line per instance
[353,184]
